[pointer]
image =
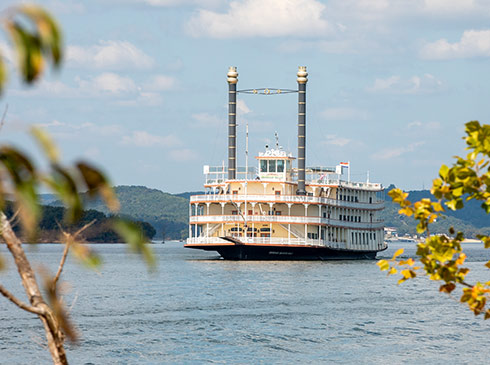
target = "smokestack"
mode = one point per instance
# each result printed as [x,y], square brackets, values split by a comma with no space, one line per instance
[232,81]
[302,80]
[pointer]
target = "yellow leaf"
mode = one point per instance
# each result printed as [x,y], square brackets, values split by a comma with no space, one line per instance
[461,259]
[392,271]
[406,211]
[402,280]
[398,253]
[383,265]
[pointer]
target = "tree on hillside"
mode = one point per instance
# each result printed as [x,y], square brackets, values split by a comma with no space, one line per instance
[36,39]
[441,257]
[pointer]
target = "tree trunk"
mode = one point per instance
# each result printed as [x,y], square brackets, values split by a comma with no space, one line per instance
[52,329]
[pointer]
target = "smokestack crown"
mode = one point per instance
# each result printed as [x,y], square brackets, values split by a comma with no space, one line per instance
[232,75]
[302,75]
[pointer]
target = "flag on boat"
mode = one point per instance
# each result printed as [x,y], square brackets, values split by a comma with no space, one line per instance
[339,169]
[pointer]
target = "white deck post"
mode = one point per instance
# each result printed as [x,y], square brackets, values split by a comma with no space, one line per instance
[306,224]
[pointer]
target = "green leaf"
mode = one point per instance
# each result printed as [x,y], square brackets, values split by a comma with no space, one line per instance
[133,236]
[24,180]
[65,187]
[97,183]
[46,143]
[3,74]
[86,255]
[28,47]
[48,30]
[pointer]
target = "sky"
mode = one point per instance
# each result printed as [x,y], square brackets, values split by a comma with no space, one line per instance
[142,91]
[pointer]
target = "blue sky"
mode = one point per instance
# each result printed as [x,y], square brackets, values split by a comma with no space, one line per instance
[143,90]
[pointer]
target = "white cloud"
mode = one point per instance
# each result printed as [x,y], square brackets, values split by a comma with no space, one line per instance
[161,83]
[143,99]
[427,126]
[184,154]
[109,55]
[390,153]
[452,6]
[7,53]
[344,114]
[92,153]
[65,7]
[261,18]
[71,130]
[414,85]
[170,3]
[145,139]
[54,123]
[112,83]
[334,140]
[46,88]
[473,43]
[206,120]
[242,108]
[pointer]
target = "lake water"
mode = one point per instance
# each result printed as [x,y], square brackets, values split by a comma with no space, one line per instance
[200,309]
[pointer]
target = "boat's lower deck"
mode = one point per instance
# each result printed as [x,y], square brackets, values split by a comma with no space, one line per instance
[269,252]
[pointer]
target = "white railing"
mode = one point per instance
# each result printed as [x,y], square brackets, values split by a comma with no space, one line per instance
[282,219]
[281,241]
[299,199]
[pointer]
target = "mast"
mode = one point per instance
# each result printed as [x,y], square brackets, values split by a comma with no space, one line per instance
[302,80]
[246,180]
[232,81]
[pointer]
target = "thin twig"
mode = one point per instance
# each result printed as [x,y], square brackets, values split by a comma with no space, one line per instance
[69,239]
[84,228]
[19,303]
[2,122]
[12,219]
[63,259]
[73,303]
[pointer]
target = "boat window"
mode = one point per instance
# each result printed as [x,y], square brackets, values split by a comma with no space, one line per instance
[288,165]
[280,165]
[265,230]
[263,165]
[272,165]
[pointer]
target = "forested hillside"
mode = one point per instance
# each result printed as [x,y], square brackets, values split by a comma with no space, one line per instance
[167,213]
[53,218]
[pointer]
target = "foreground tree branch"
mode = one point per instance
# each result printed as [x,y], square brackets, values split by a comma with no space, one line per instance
[441,257]
[51,325]
[18,302]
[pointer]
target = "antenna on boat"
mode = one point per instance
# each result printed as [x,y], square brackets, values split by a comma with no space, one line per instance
[246,178]
[277,140]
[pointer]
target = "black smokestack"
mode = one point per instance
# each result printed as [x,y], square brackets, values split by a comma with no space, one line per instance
[232,81]
[302,80]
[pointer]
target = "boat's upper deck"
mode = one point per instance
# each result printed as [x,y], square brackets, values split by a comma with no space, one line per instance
[216,176]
